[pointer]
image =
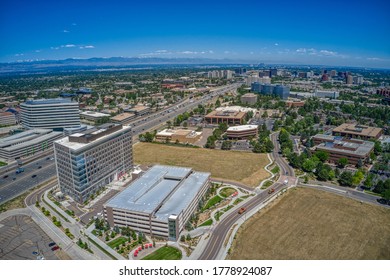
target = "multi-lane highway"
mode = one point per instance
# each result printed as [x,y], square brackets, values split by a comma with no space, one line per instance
[154,120]
[35,173]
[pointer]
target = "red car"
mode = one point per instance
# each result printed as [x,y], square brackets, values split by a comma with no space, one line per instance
[55,248]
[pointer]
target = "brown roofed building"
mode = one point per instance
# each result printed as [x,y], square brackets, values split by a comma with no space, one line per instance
[351,130]
[339,147]
[229,117]
[249,98]
[181,135]
[291,103]
[123,118]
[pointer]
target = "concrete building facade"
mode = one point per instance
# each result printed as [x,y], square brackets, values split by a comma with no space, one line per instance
[354,150]
[28,143]
[50,113]
[229,117]
[249,98]
[183,136]
[242,132]
[88,161]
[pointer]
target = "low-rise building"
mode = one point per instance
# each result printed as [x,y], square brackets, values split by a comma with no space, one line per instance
[326,94]
[28,143]
[180,135]
[226,116]
[123,118]
[352,130]
[242,132]
[139,110]
[93,116]
[339,147]
[293,103]
[249,98]
[7,118]
[160,202]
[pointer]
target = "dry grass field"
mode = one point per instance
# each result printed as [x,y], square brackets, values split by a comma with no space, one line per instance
[313,224]
[243,167]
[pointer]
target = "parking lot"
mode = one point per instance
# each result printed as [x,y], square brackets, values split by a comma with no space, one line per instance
[22,239]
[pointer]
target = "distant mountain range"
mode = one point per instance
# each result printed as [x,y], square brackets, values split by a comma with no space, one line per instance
[129,63]
[97,62]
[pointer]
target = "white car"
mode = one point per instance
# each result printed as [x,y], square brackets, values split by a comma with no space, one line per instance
[285,182]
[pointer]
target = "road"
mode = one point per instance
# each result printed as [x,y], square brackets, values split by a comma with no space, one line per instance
[160,117]
[12,184]
[10,187]
[221,230]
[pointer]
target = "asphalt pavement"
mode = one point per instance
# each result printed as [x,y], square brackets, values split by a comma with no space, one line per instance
[12,184]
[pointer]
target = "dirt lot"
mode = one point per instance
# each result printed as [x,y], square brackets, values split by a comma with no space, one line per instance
[312,224]
[247,168]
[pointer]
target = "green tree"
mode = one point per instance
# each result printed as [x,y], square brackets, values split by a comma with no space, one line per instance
[342,162]
[322,155]
[226,145]
[345,178]
[308,165]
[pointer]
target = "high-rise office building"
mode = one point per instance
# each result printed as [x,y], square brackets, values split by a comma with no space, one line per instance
[88,161]
[270,89]
[50,113]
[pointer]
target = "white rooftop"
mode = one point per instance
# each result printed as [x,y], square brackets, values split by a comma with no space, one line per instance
[161,191]
[242,127]
[76,146]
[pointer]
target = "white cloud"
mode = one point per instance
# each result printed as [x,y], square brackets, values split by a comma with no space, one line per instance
[68,46]
[251,53]
[37,51]
[276,44]
[328,53]
[161,51]
[74,24]
[66,31]
[89,47]
[211,51]
[374,58]
[188,52]
[19,54]
[226,52]
[55,48]
[301,50]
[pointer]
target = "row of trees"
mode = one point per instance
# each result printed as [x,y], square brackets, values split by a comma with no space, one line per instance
[263,144]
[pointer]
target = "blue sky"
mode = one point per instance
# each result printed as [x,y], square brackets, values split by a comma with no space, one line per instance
[350,33]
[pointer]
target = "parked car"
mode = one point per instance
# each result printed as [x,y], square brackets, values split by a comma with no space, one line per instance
[242,210]
[55,248]
[51,244]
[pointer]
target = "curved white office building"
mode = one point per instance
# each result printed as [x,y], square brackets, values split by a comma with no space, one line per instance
[50,113]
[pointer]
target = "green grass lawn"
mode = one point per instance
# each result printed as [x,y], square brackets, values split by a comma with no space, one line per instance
[212,201]
[266,184]
[117,241]
[225,192]
[165,253]
[238,200]
[209,222]
[275,170]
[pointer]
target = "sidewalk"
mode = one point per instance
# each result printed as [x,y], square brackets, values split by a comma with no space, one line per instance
[80,232]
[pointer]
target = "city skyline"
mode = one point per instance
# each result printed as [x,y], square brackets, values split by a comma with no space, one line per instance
[352,33]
